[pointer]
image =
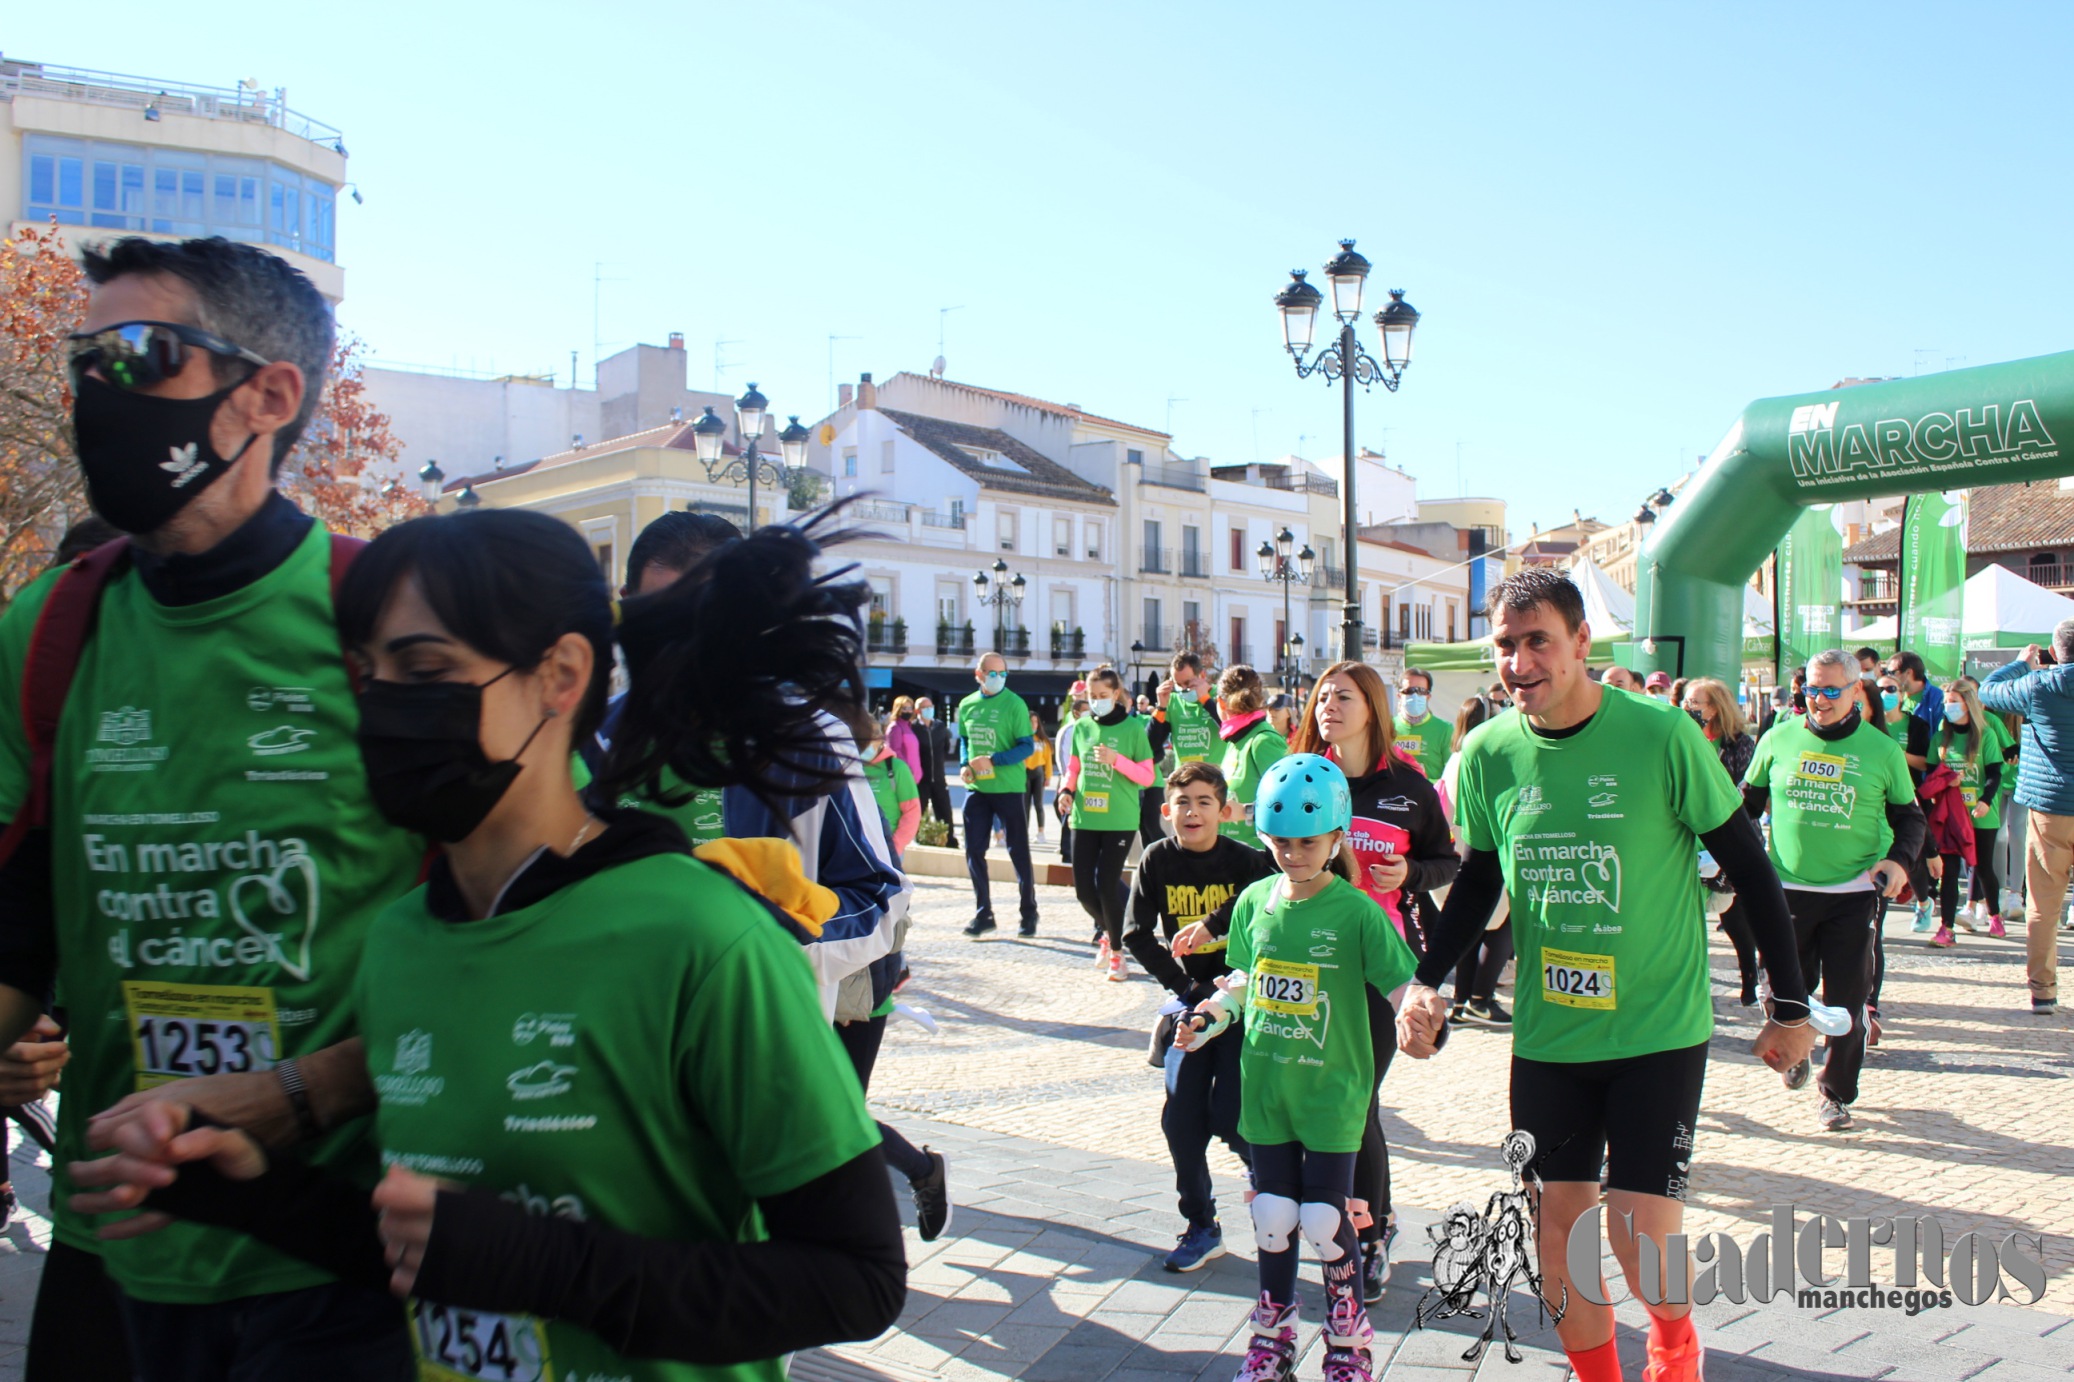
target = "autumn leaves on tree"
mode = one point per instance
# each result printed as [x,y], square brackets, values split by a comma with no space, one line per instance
[42,299]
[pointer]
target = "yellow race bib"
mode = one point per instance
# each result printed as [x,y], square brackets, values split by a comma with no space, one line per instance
[1577,980]
[1288,989]
[180,1030]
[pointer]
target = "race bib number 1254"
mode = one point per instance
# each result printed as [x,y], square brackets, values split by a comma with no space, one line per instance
[456,1345]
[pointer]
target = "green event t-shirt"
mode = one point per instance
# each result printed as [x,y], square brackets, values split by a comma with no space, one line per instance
[1948,747]
[1829,800]
[1248,756]
[1191,730]
[1105,799]
[989,725]
[1307,1070]
[700,816]
[1429,741]
[892,783]
[216,861]
[1610,965]
[643,1049]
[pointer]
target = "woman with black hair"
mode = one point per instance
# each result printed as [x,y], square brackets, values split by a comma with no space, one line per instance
[574,1024]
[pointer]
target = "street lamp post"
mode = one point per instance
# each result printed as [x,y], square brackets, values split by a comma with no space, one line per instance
[1275,566]
[1003,593]
[1298,303]
[709,437]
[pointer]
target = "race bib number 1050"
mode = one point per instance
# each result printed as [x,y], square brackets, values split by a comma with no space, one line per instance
[182,1030]
[456,1345]
[1577,981]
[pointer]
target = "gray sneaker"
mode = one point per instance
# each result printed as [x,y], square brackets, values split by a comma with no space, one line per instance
[1796,1075]
[1833,1117]
[2044,1007]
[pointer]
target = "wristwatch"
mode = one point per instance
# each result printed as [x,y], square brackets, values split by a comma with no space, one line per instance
[290,1075]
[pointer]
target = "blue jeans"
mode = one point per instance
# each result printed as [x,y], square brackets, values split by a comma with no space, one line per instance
[984,813]
[330,1333]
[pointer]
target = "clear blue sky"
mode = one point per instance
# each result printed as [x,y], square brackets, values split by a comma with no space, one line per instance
[1621,223]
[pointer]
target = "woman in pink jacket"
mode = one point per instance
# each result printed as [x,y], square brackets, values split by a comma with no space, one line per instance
[900,735]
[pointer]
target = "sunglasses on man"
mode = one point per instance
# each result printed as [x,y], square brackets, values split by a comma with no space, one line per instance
[1827,693]
[137,355]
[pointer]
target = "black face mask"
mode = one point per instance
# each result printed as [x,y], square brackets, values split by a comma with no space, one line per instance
[146,458]
[1842,729]
[422,744]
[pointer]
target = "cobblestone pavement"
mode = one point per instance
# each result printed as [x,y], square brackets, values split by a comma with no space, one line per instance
[1037,1088]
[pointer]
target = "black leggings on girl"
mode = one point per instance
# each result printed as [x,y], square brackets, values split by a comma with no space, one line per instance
[1297,1175]
[1948,889]
[1987,884]
[1098,859]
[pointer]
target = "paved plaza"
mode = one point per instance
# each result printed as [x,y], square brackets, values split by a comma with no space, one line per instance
[1036,1086]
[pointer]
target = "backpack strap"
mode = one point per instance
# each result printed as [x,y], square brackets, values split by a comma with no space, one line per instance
[62,628]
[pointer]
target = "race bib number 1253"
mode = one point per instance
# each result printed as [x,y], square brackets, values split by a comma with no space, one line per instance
[181,1030]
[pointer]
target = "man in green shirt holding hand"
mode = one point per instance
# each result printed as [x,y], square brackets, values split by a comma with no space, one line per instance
[994,727]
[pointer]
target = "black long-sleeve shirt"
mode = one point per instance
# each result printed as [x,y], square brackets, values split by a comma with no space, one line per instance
[1176,887]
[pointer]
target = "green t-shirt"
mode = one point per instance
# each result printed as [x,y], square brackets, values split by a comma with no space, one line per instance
[1429,741]
[642,1049]
[1191,730]
[892,784]
[1252,753]
[1829,800]
[1949,747]
[1105,799]
[700,817]
[990,725]
[1307,1069]
[1610,965]
[216,863]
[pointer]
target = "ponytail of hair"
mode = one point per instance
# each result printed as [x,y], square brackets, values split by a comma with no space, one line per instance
[733,668]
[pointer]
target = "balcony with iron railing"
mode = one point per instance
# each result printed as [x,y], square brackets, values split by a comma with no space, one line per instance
[883,636]
[1328,582]
[953,641]
[1877,586]
[943,520]
[1195,564]
[1171,476]
[1012,642]
[1068,644]
[1156,561]
[244,104]
[1154,638]
[1301,483]
[2052,576]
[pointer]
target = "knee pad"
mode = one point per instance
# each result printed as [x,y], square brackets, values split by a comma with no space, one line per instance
[1275,1218]
[1321,1225]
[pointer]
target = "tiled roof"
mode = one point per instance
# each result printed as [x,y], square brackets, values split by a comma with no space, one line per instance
[1042,406]
[1880,547]
[671,436]
[2011,518]
[950,441]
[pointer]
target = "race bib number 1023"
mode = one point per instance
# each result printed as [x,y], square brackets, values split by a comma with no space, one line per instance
[182,1030]
[1289,989]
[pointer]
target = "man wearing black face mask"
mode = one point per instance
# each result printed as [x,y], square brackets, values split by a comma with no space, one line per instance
[1845,829]
[209,853]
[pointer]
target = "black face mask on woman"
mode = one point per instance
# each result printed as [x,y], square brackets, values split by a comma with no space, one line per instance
[146,458]
[426,769]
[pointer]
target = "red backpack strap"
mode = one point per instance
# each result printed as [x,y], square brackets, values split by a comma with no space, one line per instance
[343,550]
[62,628]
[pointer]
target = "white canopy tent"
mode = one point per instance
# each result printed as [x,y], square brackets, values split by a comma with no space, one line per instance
[2001,610]
[1607,608]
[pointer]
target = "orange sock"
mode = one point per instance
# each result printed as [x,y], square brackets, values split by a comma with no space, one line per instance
[1601,1364]
[1670,1334]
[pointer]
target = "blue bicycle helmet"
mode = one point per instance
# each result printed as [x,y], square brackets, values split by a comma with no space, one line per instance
[1301,796]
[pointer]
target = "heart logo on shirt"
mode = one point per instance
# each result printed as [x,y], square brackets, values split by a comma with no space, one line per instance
[1603,876]
[273,895]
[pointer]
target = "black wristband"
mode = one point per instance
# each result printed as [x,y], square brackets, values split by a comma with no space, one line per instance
[290,1076]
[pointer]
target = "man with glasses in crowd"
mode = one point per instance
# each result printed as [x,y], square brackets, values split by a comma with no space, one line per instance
[209,736]
[1419,732]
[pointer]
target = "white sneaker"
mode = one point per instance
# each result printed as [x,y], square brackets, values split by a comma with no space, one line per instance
[1103,954]
[1117,973]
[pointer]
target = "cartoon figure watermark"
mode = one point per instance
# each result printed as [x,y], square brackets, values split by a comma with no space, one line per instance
[1491,1253]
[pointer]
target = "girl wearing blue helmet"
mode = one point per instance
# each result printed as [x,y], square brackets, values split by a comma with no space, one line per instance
[1304,949]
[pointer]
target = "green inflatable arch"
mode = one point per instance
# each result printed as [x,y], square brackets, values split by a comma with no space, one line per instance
[1992,425]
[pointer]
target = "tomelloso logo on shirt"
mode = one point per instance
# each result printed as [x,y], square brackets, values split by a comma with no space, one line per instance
[127,729]
[409,1081]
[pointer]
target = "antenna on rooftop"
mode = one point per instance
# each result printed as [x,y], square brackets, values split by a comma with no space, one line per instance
[942,314]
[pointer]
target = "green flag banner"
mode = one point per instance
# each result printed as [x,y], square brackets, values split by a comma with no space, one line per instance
[1933,580]
[1811,588]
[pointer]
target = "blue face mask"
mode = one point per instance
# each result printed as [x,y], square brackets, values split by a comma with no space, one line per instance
[1890,700]
[928,712]
[994,683]
[1414,705]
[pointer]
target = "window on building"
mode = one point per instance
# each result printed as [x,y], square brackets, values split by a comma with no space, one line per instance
[114,186]
[958,512]
[949,604]
[1452,611]
[1191,550]
[881,597]
[1062,537]
[1133,456]
[603,552]
[1004,528]
[1153,635]
[1404,621]
[1192,621]
[1094,542]
[1151,554]
[886,456]
[1238,651]
[1238,547]
[1062,610]
[849,462]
